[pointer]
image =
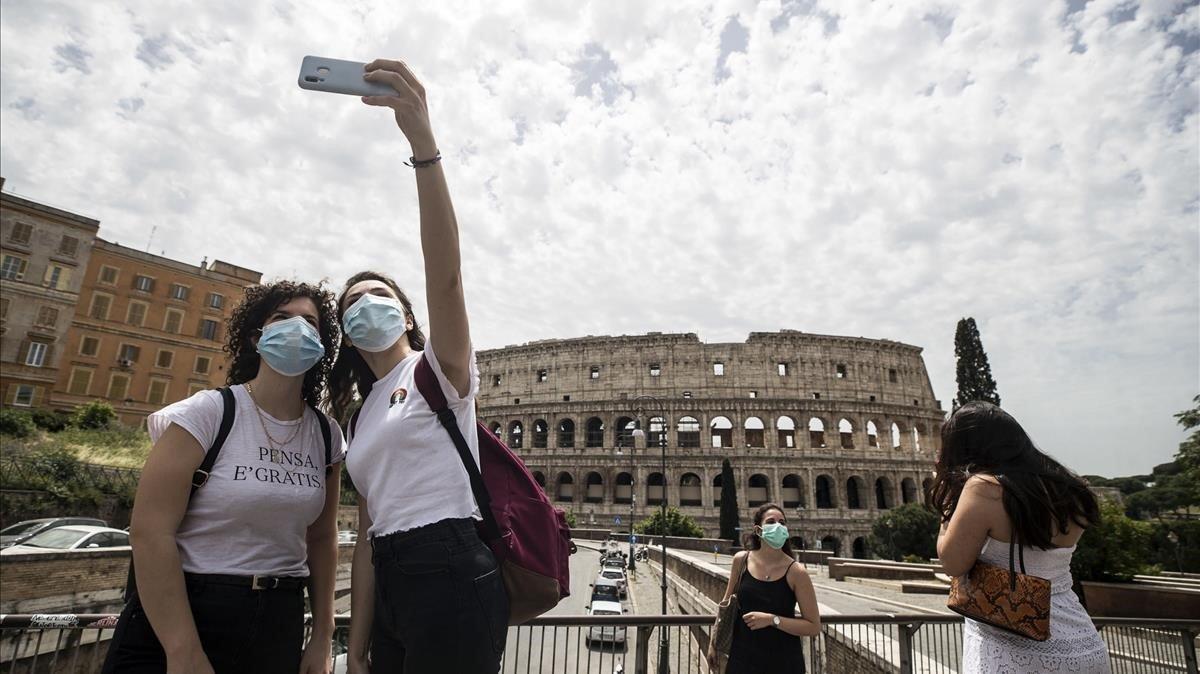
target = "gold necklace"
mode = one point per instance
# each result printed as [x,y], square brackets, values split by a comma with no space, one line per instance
[275,444]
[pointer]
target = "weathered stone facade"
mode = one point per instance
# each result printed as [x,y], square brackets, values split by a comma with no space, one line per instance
[835,429]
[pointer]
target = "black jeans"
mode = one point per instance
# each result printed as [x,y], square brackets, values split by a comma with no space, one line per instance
[241,630]
[440,604]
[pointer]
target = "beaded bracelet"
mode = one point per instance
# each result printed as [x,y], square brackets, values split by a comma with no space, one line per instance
[415,163]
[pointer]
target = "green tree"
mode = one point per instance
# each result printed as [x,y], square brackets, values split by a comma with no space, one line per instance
[1188,457]
[973,372]
[1112,549]
[730,520]
[677,524]
[909,530]
[571,521]
[96,414]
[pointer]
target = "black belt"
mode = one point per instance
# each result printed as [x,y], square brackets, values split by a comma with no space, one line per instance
[251,582]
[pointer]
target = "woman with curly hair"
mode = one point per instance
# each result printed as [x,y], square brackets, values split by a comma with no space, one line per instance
[221,573]
[426,593]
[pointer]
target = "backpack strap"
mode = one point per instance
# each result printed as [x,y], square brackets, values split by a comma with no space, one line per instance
[354,420]
[326,435]
[431,390]
[200,477]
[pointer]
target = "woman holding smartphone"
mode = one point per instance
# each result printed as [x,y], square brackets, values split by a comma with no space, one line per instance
[426,593]
[221,573]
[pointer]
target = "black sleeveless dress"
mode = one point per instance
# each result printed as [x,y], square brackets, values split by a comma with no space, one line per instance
[769,650]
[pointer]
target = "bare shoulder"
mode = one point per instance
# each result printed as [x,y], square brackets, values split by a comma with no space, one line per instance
[984,486]
[797,571]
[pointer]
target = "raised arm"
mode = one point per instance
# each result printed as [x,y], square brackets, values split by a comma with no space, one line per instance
[439,228]
[158,508]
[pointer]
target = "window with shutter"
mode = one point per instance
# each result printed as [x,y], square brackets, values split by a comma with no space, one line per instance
[47,317]
[157,394]
[81,381]
[136,314]
[89,346]
[165,358]
[68,246]
[173,322]
[21,233]
[108,275]
[100,306]
[118,387]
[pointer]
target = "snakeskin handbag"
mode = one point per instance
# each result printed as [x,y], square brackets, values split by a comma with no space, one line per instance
[1011,601]
[729,612]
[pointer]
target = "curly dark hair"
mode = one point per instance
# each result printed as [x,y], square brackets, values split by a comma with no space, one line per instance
[351,378]
[258,303]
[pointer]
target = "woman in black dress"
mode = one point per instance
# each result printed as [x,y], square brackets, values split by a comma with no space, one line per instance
[769,583]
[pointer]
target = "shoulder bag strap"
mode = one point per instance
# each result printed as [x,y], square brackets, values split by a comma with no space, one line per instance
[431,390]
[326,435]
[210,457]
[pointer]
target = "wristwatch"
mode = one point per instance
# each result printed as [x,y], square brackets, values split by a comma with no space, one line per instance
[775,620]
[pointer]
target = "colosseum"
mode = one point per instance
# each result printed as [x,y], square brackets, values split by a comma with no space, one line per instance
[834,429]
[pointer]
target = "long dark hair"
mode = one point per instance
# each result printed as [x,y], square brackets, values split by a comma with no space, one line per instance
[1041,496]
[351,378]
[752,541]
[249,316]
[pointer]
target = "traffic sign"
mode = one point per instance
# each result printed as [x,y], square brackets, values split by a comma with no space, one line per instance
[617,519]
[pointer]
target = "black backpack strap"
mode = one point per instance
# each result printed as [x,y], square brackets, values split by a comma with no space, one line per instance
[354,420]
[326,435]
[210,457]
[428,385]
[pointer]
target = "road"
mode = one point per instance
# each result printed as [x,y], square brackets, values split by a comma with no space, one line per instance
[564,649]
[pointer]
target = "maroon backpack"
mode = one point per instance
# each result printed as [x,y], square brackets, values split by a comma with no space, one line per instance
[528,535]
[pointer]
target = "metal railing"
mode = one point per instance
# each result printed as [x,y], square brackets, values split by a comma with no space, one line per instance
[631,644]
[33,473]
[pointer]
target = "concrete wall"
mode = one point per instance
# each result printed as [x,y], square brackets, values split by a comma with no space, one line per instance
[1127,600]
[90,581]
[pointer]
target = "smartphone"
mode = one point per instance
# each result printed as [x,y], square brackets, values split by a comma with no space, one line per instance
[339,77]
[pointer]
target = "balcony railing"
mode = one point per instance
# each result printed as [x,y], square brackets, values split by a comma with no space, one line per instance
[905,644]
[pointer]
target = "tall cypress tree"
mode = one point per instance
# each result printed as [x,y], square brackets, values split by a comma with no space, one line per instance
[974,374]
[729,509]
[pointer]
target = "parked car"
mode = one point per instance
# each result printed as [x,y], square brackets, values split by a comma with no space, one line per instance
[21,531]
[347,536]
[605,589]
[611,633]
[76,537]
[619,576]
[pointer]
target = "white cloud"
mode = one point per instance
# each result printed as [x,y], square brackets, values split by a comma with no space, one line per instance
[859,168]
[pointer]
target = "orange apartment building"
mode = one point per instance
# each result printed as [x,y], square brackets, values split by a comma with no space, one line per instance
[43,252]
[147,330]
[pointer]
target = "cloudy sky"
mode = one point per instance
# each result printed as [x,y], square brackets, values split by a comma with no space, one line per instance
[860,168]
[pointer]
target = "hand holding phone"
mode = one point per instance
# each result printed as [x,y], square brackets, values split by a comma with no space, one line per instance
[339,77]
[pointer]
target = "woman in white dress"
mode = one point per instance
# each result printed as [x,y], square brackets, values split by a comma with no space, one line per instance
[992,483]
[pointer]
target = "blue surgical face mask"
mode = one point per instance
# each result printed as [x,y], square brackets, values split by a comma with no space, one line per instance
[374,323]
[774,534]
[290,347]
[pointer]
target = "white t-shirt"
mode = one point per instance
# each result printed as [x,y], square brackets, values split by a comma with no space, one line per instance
[401,458]
[252,515]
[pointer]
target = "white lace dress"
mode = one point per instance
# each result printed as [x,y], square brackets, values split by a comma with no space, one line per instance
[1073,646]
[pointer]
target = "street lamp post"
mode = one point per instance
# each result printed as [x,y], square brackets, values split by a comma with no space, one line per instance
[664,642]
[632,495]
